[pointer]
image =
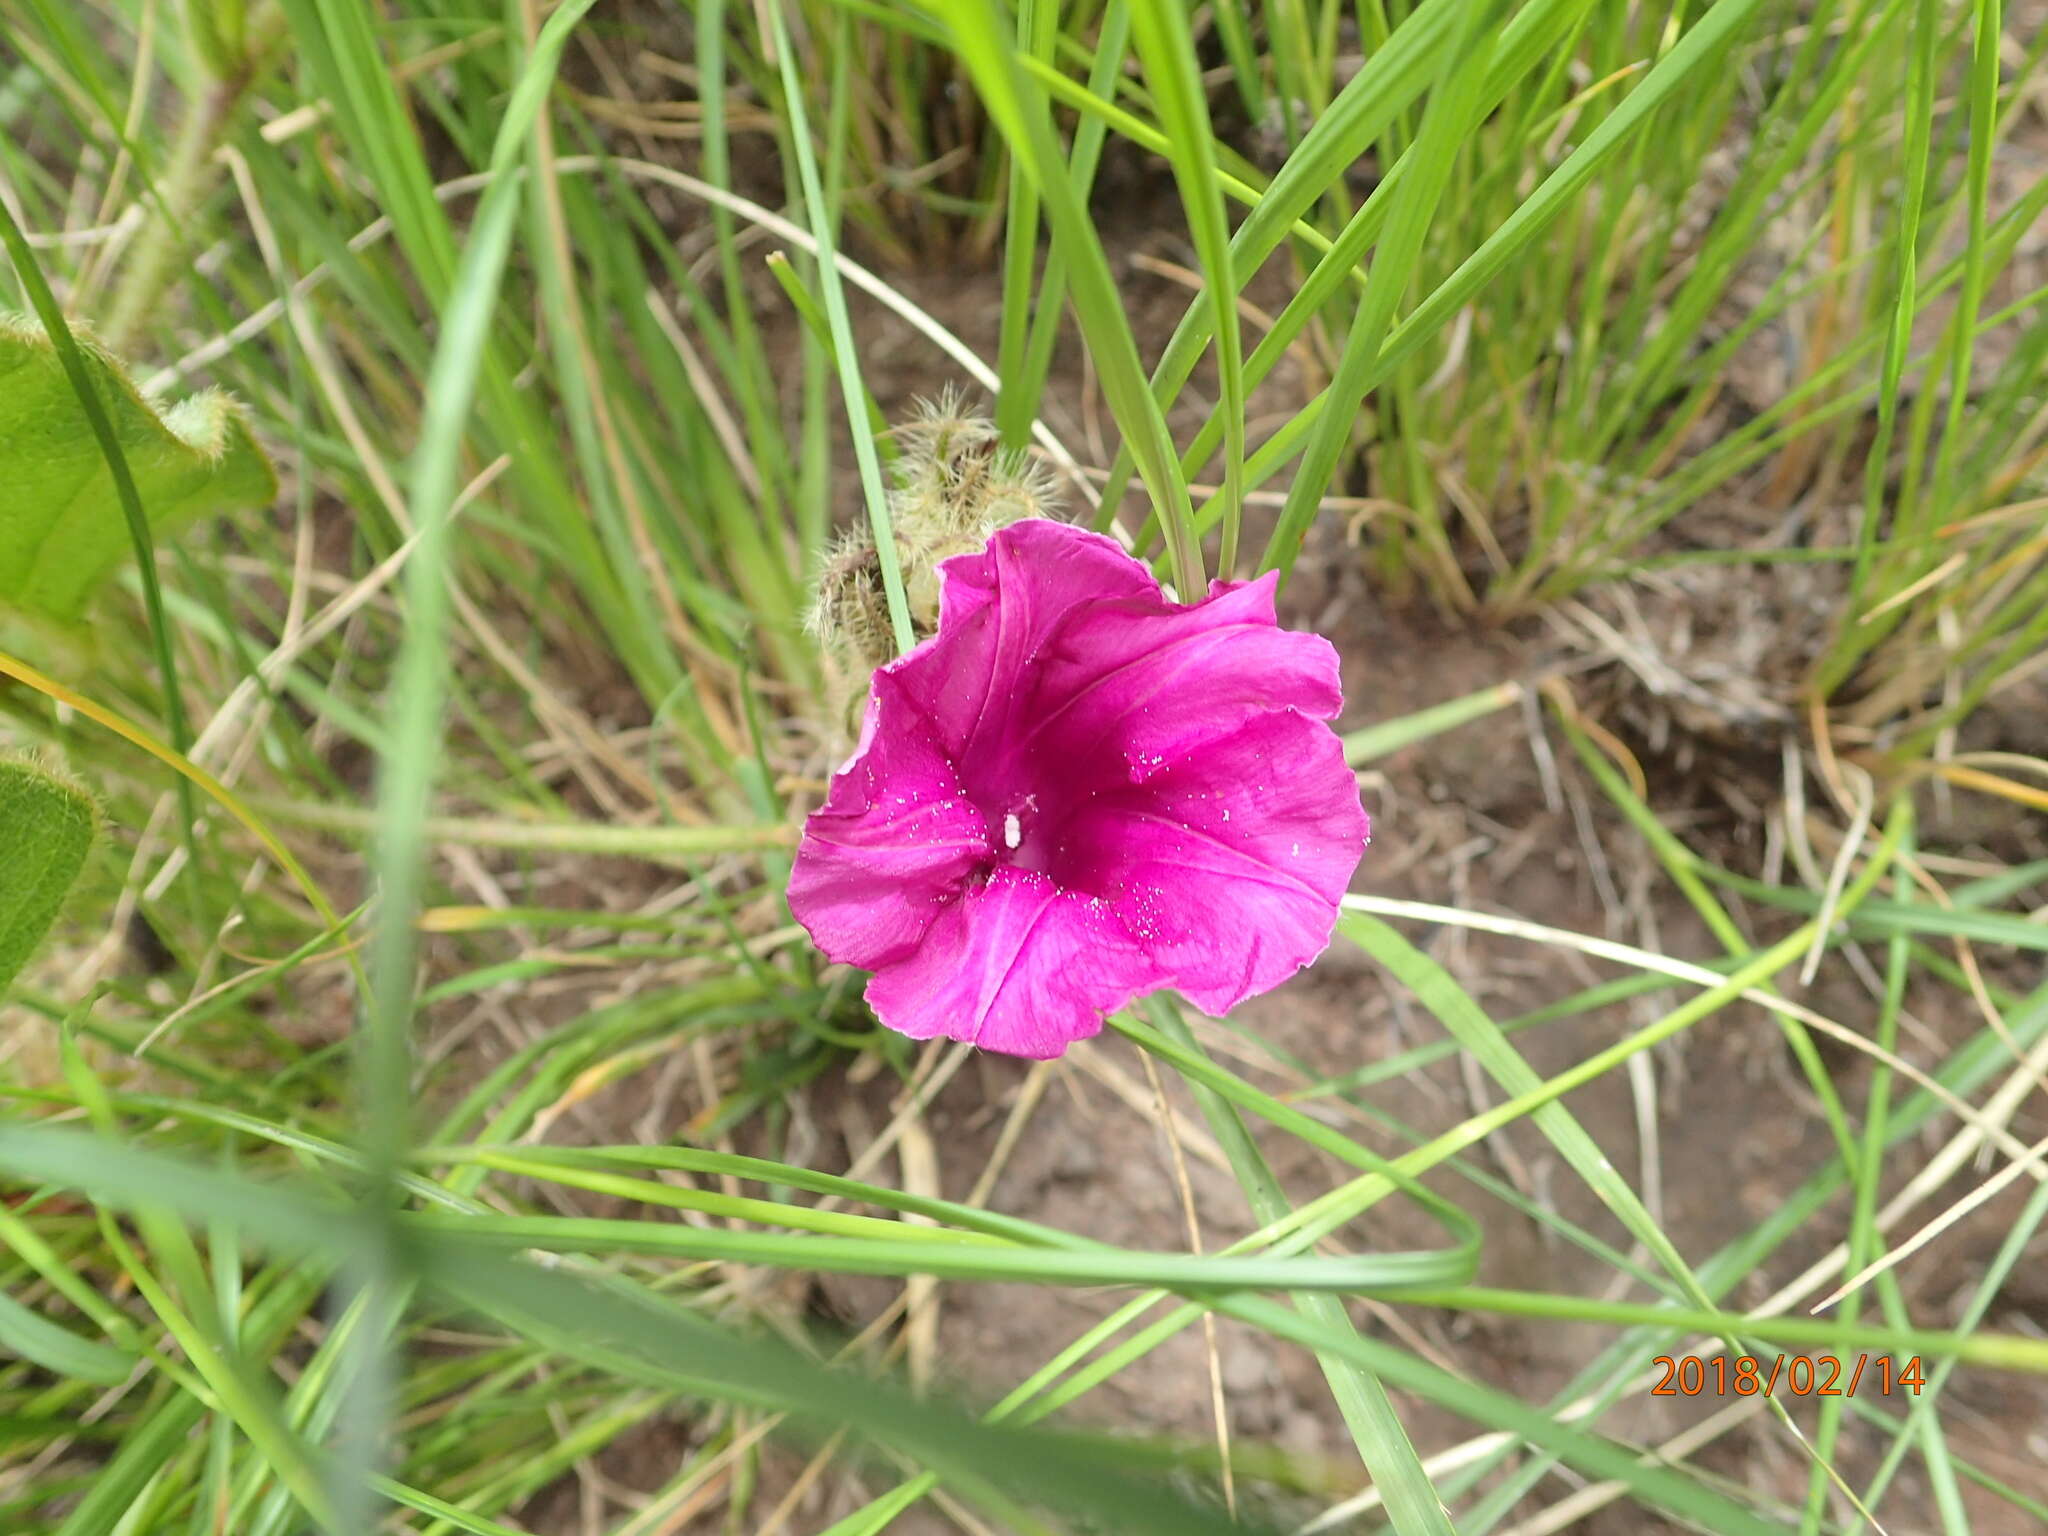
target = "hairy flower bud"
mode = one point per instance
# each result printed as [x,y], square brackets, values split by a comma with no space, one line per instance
[953,487]
[952,478]
[850,619]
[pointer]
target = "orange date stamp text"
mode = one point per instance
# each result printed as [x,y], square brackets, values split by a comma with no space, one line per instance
[1787,1376]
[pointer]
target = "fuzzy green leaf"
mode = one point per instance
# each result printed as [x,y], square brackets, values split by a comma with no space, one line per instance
[61,529]
[47,827]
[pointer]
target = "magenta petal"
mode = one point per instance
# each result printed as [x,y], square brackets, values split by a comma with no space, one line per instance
[1229,863]
[892,844]
[998,610]
[1154,681]
[1018,966]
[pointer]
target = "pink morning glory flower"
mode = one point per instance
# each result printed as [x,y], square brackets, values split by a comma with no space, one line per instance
[1078,792]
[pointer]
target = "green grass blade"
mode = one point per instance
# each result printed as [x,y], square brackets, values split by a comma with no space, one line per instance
[844,354]
[1376,1429]
[1433,156]
[1021,114]
[1167,50]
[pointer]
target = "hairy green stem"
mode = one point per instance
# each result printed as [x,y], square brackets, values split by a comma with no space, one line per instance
[160,247]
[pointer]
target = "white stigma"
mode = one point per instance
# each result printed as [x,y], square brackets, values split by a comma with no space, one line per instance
[1013,831]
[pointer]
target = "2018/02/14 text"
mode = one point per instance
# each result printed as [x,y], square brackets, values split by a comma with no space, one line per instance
[1795,1375]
